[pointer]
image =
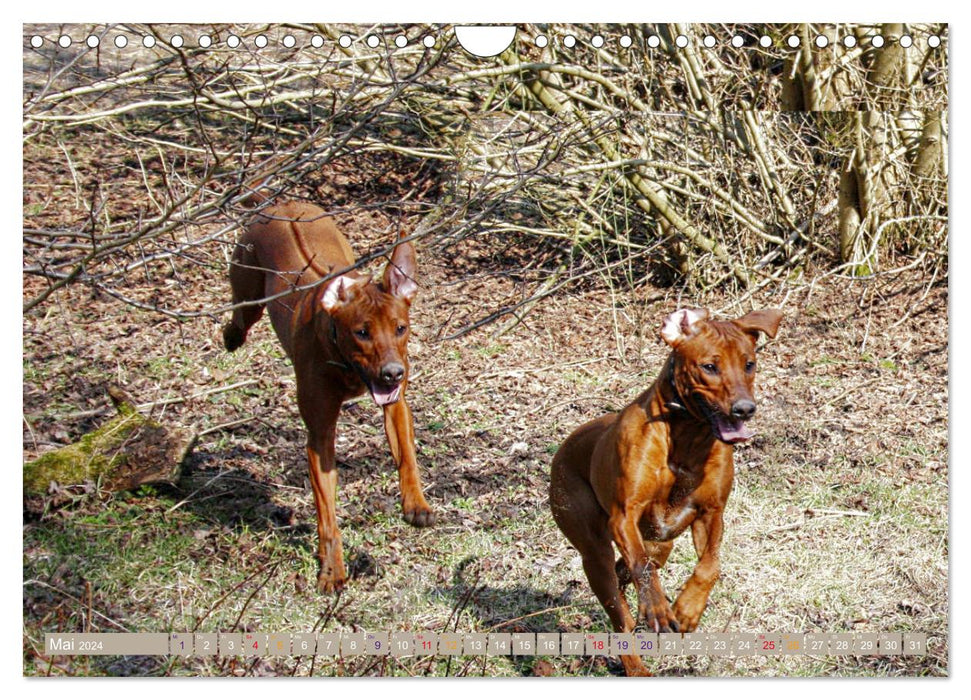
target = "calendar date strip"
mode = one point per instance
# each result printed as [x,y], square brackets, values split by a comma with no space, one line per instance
[401,644]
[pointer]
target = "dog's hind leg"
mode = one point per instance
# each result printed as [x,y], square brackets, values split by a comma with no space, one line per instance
[598,564]
[578,515]
[249,284]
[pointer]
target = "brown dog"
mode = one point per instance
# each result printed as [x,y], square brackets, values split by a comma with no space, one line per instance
[344,336]
[641,477]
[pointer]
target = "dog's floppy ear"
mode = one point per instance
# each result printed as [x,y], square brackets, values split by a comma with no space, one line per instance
[682,324]
[337,292]
[762,321]
[399,275]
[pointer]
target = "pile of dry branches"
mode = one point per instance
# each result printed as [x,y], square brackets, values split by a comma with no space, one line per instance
[707,166]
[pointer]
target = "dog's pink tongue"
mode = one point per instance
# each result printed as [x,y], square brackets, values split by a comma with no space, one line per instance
[384,397]
[732,431]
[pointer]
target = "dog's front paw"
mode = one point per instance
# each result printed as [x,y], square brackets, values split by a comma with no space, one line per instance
[655,621]
[420,516]
[688,614]
[654,614]
[332,576]
[328,583]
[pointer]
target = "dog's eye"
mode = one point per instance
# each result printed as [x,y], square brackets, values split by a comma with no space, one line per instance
[750,366]
[710,368]
[401,329]
[362,333]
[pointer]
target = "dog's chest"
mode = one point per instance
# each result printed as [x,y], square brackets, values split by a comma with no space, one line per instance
[673,509]
[663,521]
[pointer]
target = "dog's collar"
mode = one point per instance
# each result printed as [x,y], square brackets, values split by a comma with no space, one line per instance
[677,403]
[344,364]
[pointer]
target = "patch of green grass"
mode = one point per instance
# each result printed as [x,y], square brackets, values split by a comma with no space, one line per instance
[586,379]
[234,400]
[159,367]
[916,449]
[888,364]
[431,450]
[492,350]
[32,373]
[467,504]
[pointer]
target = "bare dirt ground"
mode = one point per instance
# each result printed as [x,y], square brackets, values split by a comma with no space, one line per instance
[838,520]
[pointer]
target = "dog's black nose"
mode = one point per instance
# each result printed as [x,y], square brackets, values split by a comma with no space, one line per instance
[743,409]
[392,373]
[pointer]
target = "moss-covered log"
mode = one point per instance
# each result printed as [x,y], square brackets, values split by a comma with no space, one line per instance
[126,452]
